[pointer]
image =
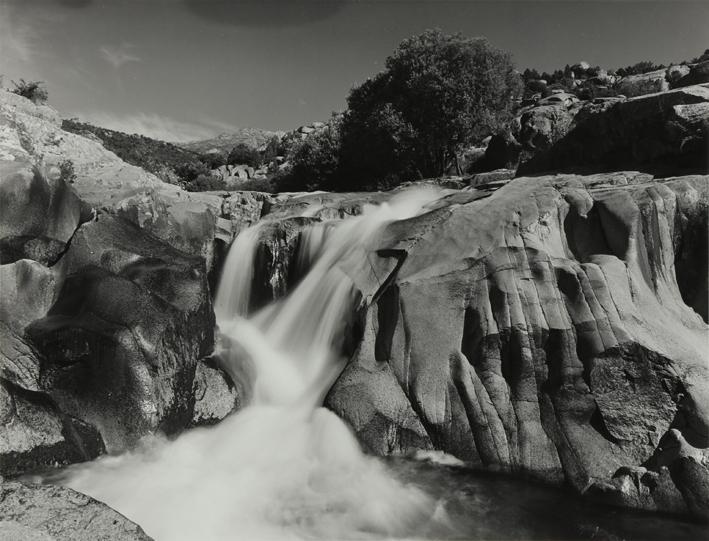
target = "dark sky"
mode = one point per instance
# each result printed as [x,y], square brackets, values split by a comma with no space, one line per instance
[185,69]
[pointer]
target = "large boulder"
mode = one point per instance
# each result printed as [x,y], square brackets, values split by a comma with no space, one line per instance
[123,338]
[184,220]
[34,433]
[215,395]
[541,331]
[697,74]
[102,178]
[543,126]
[39,214]
[644,83]
[51,513]
[665,133]
[28,291]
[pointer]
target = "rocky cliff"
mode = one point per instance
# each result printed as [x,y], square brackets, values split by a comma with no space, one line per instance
[106,313]
[545,330]
[551,326]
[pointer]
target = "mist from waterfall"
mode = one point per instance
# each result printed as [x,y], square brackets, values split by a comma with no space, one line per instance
[283,467]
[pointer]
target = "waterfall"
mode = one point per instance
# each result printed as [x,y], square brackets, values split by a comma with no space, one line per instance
[283,467]
[234,294]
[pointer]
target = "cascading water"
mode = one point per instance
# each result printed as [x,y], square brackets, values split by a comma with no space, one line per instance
[285,469]
[282,468]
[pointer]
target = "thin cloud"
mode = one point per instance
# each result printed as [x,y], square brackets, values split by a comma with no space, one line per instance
[17,42]
[119,56]
[157,126]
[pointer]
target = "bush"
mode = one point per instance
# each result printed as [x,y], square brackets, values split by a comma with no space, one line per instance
[67,172]
[242,154]
[169,162]
[205,183]
[189,171]
[438,94]
[32,90]
[314,161]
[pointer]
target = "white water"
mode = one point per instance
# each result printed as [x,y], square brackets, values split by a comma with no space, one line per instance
[234,295]
[282,468]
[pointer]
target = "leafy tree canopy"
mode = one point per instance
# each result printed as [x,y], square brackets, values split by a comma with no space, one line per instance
[437,94]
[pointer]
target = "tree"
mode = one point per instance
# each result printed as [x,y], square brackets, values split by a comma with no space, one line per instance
[32,90]
[438,94]
[243,154]
[315,161]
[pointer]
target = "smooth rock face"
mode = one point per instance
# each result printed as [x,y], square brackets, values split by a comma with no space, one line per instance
[28,291]
[644,83]
[34,132]
[215,395]
[51,513]
[33,431]
[123,338]
[111,316]
[658,132]
[698,74]
[39,214]
[541,127]
[542,330]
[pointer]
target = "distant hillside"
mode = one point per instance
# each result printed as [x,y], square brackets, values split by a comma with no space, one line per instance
[160,158]
[224,143]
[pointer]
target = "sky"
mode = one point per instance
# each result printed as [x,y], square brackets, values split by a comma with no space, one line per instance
[181,70]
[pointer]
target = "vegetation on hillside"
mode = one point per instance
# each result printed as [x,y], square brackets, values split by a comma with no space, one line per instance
[438,97]
[437,94]
[36,91]
[167,161]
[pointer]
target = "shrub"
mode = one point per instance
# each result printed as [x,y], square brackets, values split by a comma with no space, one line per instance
[67,172]
[205,183]
[314,161]
[189,171]
[32,90]
[243,154]
[169,162]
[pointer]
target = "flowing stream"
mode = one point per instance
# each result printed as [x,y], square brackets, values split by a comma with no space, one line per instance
[285,468]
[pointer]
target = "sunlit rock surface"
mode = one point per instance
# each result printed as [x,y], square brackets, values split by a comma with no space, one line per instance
[34,432]
[104,282]
[51,513]
[122,340]
[546,330]
[215,395]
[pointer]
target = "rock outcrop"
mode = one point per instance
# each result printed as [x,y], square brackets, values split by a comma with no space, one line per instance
[34,432]
[122,339]
[645,83]
[44,513]
[215,395]
[544,331]
[664,132]
[106,306]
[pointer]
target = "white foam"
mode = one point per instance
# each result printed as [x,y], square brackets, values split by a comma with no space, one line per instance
[282,468]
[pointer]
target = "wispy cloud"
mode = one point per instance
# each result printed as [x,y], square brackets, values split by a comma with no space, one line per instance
[17,41]
[157,126]
[119,55]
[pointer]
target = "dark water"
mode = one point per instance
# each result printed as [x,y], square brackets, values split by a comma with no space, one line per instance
[478,506]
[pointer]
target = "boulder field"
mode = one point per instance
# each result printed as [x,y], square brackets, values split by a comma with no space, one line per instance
[551,327]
